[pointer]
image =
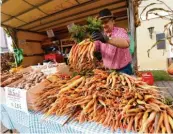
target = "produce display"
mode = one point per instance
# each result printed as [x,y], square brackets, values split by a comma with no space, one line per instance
[44,101]
[8,79]
[22,80]
[29,80]
[7,61]
[16,69]
[112,99]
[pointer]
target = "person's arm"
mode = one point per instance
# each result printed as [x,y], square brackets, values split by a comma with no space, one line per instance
[119,42]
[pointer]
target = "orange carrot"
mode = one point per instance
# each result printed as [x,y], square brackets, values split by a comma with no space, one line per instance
[73,84]
[107,118]
[92,51]
[130,101]
[153,106]
[139,96]
[159,123]
[170,121]
[137,117]
[146,123]
[113,81]
[129,127]
[147,97]
[88,106]
[166,123]
[133,110]
[163,129]
[156,121]
[108,79]
[140,102]
[128,82]
[112,126]
[170,111]
[122,80]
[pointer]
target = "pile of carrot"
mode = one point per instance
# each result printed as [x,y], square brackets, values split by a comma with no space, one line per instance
[115,100]
[81,56]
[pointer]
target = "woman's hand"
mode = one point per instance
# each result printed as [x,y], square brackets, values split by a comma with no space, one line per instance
[99,36]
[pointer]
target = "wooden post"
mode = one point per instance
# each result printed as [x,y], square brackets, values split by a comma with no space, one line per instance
[131,18]
[132,28]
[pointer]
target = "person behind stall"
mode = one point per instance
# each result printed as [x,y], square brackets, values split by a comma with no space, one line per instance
[66,55]
[113,44]
[59,57]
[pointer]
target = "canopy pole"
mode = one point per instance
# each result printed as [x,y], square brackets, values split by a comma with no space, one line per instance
[132,28]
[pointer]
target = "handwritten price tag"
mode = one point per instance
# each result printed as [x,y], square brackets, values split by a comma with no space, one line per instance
[16,99]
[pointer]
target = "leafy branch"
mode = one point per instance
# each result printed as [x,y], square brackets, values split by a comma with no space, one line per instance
[79,33]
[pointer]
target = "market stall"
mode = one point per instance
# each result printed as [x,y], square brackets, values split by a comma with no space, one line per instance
[83,97]
[114,102]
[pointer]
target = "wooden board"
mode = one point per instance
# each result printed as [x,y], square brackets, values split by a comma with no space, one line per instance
[21,35]
[30,48]
[33,60]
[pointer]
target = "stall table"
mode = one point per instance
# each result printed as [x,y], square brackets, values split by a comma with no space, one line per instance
[35,123]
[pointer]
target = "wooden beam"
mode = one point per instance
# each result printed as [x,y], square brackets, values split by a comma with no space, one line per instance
[24,30]
[77,1]
[82,22]
[88,2]
[14,17]
[36,41]
[47,1]
[61,30]
[122,13]
[76,19]
[35,7]
[84,11]
[4,1]
[26,55]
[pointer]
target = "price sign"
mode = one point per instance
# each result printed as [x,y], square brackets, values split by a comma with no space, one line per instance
[50,33]
[49,71]
[16,99]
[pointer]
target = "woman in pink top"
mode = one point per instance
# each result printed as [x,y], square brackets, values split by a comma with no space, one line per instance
[113,44]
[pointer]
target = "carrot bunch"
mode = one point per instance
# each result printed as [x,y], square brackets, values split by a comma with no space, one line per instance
[81,56]
[114,100]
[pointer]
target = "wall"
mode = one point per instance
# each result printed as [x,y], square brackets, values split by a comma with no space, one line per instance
[157,60]
[31,44]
